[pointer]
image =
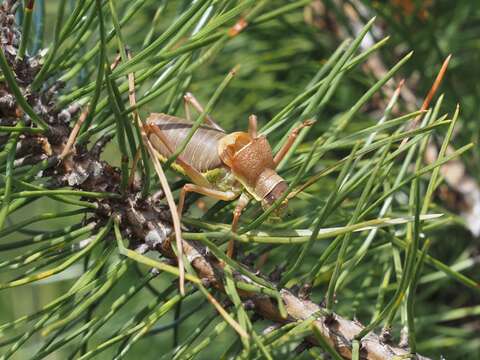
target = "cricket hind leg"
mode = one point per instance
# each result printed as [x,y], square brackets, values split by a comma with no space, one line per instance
[220,195]
[203,190]
[190,99]
[201,186]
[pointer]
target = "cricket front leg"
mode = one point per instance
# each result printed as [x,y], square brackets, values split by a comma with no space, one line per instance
[241,204]
[291,139]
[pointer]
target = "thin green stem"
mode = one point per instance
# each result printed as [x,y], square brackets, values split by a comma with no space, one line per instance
[42,74]
[101,70]
[39,26]
[64,265]
[21,129]
[11,149]
[26,27]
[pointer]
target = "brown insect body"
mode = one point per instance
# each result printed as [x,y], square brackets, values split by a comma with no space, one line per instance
[201,151]
[249,159]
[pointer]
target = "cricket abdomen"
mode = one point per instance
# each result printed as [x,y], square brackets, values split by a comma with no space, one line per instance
[201,151]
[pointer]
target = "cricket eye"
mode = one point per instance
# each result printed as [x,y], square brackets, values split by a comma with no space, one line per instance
[276,193]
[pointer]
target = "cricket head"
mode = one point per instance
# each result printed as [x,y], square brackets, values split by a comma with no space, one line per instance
[271,187]
[251,162]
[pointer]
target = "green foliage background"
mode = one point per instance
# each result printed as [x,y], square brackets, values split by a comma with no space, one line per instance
[278,58]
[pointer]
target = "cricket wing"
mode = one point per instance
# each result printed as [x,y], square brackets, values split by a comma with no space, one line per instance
[201,151]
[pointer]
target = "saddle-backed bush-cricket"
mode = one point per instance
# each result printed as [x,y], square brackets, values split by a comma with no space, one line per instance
[220,165]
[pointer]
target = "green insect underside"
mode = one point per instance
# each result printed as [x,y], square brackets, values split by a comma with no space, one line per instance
[217,177]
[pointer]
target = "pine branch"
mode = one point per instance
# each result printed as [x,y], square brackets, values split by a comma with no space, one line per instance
[338,331]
